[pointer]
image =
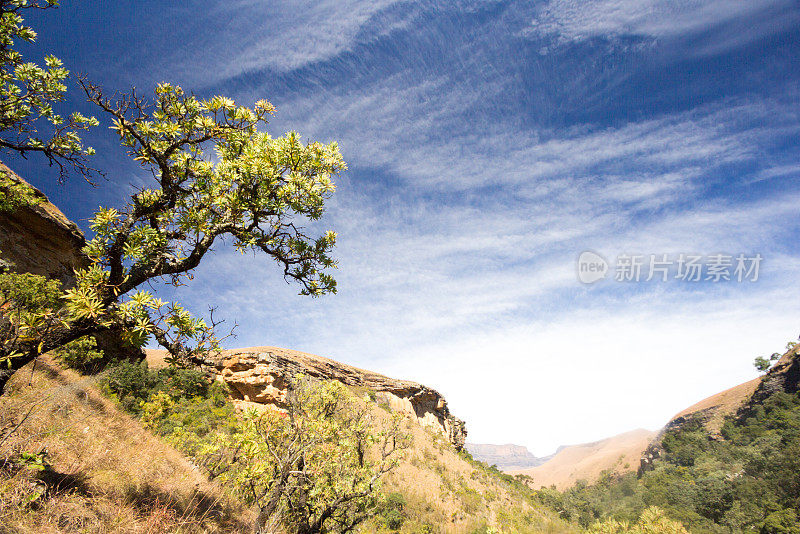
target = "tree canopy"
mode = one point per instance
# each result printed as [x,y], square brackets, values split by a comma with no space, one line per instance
[28,92]
[214,173]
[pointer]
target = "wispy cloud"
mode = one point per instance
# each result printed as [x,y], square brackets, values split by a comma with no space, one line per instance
[481,168]
[577,20]
[243,36]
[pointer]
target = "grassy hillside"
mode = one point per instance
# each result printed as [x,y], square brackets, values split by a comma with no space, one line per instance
[78,462]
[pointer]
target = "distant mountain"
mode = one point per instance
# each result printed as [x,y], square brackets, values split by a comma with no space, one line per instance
[586,461]
[506,457]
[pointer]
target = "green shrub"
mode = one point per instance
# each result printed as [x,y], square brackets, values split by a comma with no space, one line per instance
[81,355]
[132,384]
[392,510]
[781,522]
[29,293]
[15,194]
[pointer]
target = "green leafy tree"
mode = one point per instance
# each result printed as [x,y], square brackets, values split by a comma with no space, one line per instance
[28,92]
[256,190]
[315,468]
[763,364]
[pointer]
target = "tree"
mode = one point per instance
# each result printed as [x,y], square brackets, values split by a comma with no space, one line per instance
[28,121]
[256,190]
[316,467]
[763,364]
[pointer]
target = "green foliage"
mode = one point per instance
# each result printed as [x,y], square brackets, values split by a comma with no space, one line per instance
[316,467]
[747,482]
[28,293]
[763,364]
[781,522]
[254,189]
[27,302]
[81,354]
[652,521]
[392,510]
[33,460]
[134,385]
[28,93]
[15,194]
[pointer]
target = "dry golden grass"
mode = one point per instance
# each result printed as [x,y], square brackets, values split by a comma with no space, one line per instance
[107,474]
[717,407]
[453,496]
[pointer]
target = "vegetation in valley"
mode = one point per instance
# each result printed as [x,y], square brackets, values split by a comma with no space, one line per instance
[746,482]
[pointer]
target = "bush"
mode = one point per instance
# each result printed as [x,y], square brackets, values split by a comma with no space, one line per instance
[81,355]
[392,510]
[132,384]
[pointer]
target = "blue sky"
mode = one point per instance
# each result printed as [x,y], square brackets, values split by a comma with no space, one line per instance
[489,143]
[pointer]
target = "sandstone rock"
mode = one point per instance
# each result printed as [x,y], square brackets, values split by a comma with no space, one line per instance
[40,239]
[259,376]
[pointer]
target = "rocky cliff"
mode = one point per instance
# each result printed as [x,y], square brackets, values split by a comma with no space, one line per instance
[506,457]
[259,376]
[39,239]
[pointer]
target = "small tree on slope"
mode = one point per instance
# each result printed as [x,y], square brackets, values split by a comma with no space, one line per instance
[315,468]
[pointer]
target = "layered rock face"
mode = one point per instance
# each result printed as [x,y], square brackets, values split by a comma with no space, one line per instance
[259,376]
[40,239]
[506,457]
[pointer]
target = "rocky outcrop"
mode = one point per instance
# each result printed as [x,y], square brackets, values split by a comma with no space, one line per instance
[39,239]
[505,457]
[261,375]
[784,375]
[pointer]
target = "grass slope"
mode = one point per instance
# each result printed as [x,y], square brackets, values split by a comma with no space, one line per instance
[94,468]
[91,467]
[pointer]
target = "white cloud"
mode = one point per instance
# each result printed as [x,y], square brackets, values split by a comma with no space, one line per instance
[577,20]
[240,36]
[599,372]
